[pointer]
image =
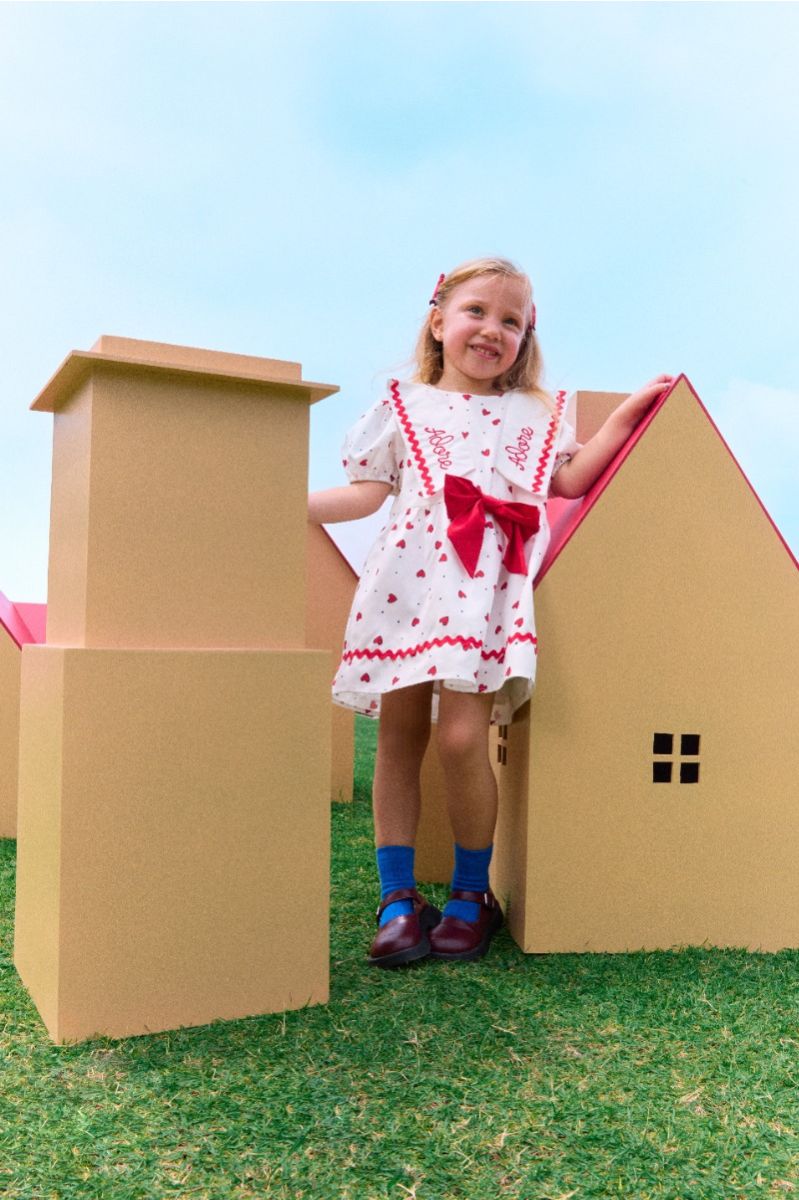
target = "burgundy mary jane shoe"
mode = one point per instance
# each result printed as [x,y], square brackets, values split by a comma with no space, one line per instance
[455,940]
[403,939]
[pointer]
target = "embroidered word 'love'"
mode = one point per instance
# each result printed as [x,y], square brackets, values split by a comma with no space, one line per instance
[518,453]
[439,439]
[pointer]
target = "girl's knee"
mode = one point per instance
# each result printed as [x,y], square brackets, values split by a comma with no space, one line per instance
[463,722]
[460,741]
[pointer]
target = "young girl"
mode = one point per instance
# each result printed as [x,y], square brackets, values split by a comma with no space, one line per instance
[470,449]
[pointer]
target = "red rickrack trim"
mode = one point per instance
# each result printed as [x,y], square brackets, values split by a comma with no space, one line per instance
[549,441]
[499,655]
[413,441]
[466,643]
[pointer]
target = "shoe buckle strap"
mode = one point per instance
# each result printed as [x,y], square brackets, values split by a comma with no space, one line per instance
[399,894]
[486,898]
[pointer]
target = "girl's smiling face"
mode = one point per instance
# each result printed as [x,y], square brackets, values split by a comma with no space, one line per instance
[480,327]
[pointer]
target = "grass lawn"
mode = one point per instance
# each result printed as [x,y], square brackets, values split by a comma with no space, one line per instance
[544,1078]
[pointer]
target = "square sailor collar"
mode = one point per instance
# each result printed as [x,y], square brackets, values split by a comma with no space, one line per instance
[526,448]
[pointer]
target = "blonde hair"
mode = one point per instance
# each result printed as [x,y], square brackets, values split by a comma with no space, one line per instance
[525,374]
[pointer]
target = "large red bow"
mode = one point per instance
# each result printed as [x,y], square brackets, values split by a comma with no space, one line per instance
[466,508]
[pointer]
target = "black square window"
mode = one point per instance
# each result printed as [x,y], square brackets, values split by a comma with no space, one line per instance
[664,743]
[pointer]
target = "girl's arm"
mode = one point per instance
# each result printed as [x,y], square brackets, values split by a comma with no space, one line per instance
[575,477]
[347,503]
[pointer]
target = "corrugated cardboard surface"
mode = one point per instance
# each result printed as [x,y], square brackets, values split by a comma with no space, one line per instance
[189,529]
[197,358]
[37,930]
[173,837]
[509,864]
[673,609]
[68,566]
[136,356]
[9,733]
[330,588]
[592,409]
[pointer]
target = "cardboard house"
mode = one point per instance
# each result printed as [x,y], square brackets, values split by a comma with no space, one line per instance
[20,625]
[173,849]
[648,791]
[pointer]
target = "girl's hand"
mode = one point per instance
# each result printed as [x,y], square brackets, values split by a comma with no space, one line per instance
[637,404]
[630,411]
[576,477]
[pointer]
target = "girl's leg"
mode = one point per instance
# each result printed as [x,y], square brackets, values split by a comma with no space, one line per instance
[401,743]
[402,740]
[472,915]
[463,721]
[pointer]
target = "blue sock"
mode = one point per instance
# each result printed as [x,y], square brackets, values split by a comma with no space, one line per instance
[395,867]
[470,875]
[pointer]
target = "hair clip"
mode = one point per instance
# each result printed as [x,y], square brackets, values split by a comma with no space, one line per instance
[439,282]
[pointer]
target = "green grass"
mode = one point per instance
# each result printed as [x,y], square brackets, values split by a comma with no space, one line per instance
[642,1075]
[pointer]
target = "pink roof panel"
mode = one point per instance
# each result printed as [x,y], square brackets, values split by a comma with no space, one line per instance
[14,624]
[35,618]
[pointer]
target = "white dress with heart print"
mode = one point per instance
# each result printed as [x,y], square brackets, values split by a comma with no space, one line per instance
[417,615]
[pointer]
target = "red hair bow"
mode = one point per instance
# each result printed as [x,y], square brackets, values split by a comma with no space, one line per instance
[439,282]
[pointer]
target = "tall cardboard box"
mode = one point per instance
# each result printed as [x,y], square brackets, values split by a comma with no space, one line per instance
[173,845]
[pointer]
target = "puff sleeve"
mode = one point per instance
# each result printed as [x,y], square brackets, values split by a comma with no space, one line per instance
[372,449]
[566,446]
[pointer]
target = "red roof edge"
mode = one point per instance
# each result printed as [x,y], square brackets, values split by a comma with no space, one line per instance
[12,622]
[567,515]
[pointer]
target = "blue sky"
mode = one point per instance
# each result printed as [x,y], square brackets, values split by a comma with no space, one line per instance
[290,179]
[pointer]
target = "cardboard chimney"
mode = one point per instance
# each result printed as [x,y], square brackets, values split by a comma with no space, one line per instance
[648,791]
[173,833]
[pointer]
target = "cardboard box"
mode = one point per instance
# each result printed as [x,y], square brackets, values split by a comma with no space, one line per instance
[173,834]
[331,583]
[173,843]
[179,499]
